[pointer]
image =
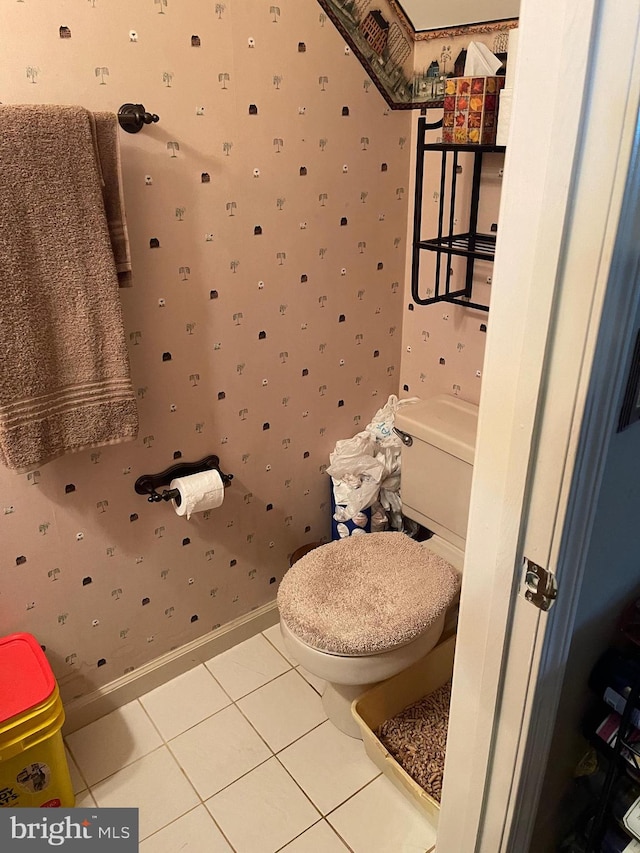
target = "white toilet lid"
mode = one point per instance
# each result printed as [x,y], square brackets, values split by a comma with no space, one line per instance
[366,594]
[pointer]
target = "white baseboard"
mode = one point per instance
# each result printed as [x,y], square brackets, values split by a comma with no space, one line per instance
[80,712]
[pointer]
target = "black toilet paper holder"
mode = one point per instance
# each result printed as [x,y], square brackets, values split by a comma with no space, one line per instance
[148,484]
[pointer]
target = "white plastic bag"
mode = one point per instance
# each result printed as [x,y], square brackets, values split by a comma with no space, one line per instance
[365,469]
[382,423]
[389,447]
[356,475]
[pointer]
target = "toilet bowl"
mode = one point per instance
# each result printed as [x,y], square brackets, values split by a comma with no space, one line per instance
[348,677]
[358,611]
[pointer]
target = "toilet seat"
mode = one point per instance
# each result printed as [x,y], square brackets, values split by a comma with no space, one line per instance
[366,595]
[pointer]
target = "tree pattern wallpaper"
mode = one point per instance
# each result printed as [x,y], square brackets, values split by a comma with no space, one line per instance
[268,214]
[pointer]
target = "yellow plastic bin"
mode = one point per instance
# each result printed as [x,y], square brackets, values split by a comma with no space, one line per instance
[33,766]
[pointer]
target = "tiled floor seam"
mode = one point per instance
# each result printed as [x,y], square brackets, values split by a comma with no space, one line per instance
[122,767]
[300,787]
[167,743]
[181,768]
[334,830]
[262,738]
[179,817]
[290,666]
[350,797]
[324,816]
[224,835]
[273,755]
[189,728]
[294,665]
[183,815]
[312,729]
[270,681]
[322,820]
[201,802]
[312,686]
[189,813]
[291,840]
[82,776]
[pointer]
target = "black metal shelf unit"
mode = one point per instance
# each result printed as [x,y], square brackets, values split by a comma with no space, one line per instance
[470,244]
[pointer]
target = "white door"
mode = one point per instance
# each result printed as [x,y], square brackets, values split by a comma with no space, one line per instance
[548,409]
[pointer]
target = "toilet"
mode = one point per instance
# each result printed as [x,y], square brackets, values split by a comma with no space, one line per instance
[359,610]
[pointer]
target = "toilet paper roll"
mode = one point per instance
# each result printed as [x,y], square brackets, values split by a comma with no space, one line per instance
[198,492]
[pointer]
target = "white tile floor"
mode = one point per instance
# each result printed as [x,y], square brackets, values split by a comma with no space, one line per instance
[238,755]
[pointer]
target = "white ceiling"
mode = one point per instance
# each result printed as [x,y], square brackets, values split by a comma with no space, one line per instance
[433,14]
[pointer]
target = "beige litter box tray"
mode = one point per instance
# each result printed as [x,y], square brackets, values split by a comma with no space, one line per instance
[389,698]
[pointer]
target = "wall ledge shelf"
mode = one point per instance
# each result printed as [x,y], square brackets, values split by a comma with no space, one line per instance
[454,146]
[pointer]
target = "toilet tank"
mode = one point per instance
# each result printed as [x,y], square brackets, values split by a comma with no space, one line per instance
[437,464]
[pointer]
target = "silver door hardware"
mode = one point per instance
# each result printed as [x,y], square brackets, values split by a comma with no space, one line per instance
[404,437]
[540,584]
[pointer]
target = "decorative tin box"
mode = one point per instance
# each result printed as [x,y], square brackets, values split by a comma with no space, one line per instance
[471,110]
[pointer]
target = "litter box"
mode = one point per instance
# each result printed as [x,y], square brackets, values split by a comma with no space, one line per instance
[387,699]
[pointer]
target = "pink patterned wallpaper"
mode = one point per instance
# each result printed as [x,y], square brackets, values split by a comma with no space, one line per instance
[267,213]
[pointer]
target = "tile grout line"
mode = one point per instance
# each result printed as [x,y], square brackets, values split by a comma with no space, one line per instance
[294,665]
[156,749]
[333,829]
[176,819]
[128,763]
[260,686]
[202,802]
[124,767]
[312,729]
[273,754]
[350,797]
[295,838]
[270,681]
[202,799]
[324,817]
[78,768]
[203,720]
[271,643]
[261,736]
[182,770]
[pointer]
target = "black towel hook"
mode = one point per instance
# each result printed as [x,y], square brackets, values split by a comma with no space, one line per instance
[132,117]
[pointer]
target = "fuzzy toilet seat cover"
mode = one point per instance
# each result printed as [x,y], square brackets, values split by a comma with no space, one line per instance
[392,590]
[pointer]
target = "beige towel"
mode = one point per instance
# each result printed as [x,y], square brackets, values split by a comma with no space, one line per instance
[64,372]
[106,129]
